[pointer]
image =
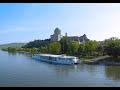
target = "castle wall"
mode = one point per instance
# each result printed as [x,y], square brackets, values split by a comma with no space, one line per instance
[57,37]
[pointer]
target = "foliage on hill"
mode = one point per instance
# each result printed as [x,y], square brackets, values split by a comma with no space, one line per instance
[73,48]
[64,44]
[14,45]
[37,43]
[110,47]
[52,48]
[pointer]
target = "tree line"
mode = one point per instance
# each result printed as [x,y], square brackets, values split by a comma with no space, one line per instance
[88,49]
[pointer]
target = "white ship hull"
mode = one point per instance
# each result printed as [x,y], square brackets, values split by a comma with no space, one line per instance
[56,59]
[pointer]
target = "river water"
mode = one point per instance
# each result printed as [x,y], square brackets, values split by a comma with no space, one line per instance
[20,70]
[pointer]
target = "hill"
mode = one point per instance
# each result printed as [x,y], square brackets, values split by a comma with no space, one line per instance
[37,43]
[12,45]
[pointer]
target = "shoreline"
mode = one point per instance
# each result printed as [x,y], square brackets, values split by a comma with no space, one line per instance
[102,60]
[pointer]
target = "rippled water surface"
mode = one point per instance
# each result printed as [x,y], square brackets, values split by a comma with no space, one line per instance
[20,70]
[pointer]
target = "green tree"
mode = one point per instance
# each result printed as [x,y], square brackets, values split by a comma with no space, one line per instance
[37,43]
[43,49]
[90,47]
[81,50]
[100,49]
[113,48]
[54,48]
[108,41]
[33,50]
[64,45]
[73,47]
[11,49]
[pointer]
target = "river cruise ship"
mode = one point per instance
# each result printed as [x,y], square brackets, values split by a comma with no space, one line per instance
[58,59]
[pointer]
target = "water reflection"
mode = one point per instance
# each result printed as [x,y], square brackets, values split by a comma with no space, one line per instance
[20,53]
[63,69]
[112,72]
[12,53]
[66,70]
[57,68]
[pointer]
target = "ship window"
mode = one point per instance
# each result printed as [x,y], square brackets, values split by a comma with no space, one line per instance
[50,58]
[54,58]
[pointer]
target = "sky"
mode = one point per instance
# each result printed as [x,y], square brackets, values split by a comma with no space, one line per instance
[24,22]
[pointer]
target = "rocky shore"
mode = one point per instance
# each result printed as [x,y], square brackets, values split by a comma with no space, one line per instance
[103,60]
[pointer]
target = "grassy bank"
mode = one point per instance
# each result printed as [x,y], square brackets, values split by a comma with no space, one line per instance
[104,60]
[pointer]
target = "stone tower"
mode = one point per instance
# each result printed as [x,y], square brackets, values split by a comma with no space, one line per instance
[57,31]
[56,36]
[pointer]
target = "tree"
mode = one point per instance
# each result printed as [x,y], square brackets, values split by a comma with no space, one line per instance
[73,47]
[113,48]
[43,49]
[54,48]
[11,49]
[108,41]
[81,50]
[100,49]
[64,45]
[90,47]
[37,43]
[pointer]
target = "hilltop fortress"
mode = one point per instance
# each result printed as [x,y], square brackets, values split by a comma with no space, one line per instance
[57,37]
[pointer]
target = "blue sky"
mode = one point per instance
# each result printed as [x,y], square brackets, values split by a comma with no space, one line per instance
[25,22]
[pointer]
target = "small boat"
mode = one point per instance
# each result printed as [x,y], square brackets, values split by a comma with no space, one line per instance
[57,59]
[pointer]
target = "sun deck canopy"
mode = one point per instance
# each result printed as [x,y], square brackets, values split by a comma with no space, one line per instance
[60,56]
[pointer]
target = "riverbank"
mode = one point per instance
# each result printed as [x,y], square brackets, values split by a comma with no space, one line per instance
[102,60]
